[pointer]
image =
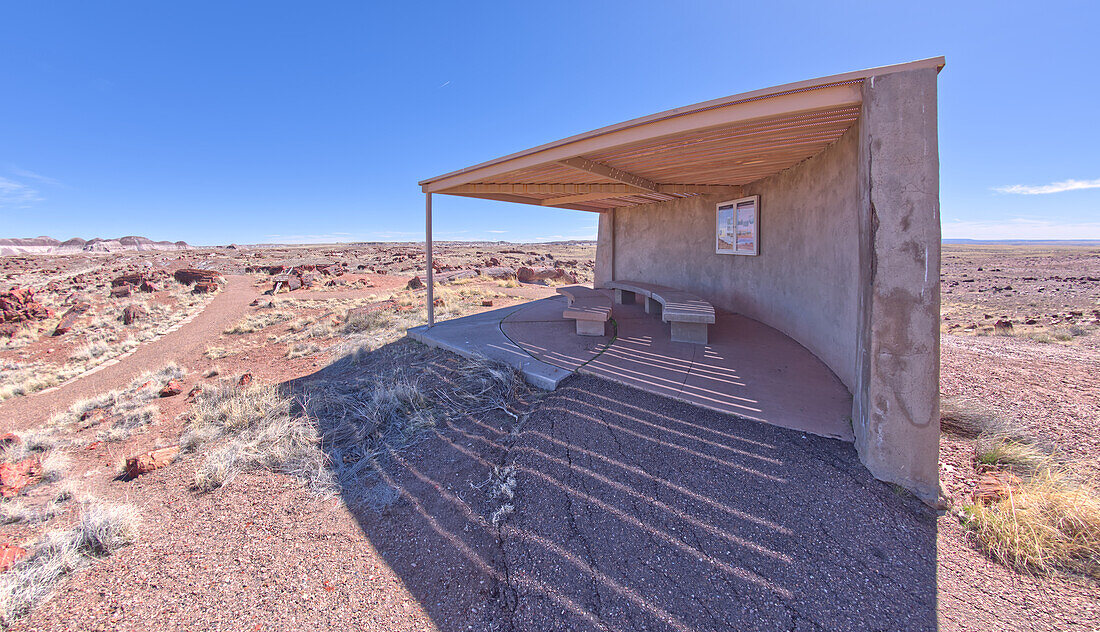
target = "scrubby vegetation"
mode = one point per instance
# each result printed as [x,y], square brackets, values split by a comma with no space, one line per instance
[336,430]
[100,530]
[1045,517]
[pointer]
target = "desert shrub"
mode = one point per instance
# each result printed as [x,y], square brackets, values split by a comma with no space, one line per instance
[365,420]
[100,530]
[358,322]
[301,349]
[14,511]
[24,378]
[256,322]
[128,421]
[90,351]
[130,405]
[216,353]
[336,429]
[34,442]
[1047,522]
[262,428]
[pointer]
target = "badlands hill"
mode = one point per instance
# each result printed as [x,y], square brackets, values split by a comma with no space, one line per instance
[51,246]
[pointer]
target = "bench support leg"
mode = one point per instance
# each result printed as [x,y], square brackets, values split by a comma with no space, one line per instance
[652,306]
[688,332]
[591,328]
[624,297]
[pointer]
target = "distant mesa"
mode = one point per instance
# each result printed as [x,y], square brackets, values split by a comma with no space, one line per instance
[50,246]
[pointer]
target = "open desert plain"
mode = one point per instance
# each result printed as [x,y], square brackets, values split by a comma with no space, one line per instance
[243,438]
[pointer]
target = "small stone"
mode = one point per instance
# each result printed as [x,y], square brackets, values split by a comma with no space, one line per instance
[154,460]
[173,387]
[132,313]
[10,553]
[15,476]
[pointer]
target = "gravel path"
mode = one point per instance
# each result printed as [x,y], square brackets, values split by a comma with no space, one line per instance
[193,337]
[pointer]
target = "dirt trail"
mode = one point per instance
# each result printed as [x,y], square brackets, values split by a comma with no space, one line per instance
[190,339]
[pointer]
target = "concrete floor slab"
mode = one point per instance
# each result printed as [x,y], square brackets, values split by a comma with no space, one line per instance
[480,335]
[747,368]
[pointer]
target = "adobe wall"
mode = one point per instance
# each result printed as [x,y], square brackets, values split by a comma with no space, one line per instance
[804,282]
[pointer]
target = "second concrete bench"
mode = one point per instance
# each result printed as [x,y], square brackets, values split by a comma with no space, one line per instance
[687,314]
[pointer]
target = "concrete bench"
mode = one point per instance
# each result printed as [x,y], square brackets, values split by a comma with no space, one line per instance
[687,314]
[588,307]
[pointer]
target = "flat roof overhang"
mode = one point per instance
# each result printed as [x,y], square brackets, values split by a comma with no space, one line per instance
[707,148]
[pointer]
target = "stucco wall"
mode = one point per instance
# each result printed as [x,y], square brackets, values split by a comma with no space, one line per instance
[804,282]
[897,407]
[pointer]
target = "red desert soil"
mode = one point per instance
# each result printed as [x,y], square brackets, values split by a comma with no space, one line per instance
[188,340]
[629,511]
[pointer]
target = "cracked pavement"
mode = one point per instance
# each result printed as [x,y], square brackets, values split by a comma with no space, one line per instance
[637,512]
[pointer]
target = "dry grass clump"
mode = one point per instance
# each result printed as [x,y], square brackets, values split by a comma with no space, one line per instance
[262,428]
[967,416]
[256,322]
[1048,522]
[216,353]
[365,419]
[131,408]
[301,349]
[1010,451]
[18,378]
[100,531]
[14,512]
[1047,519]
[337,430]
[358,322]
[22,337]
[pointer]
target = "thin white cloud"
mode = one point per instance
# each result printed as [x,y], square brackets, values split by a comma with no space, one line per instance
[16,194]
[30,175]
[1054,187]
[496,232]
[1021,228]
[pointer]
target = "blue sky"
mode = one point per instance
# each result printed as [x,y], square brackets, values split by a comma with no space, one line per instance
[219,122]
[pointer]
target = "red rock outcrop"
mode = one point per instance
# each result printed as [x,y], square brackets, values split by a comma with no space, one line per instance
[132,313]
[19,305]
[187,276]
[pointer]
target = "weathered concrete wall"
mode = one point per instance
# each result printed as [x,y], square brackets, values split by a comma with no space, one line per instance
[896,407]
[848,266]
[605,249]
[804,282]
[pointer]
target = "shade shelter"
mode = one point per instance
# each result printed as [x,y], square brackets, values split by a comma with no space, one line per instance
[843,237]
